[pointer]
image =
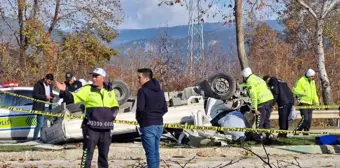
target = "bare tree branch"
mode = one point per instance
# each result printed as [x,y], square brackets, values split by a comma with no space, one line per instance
[166,164]
[193,158]
[34,9]
[324,6]
[10,27]
[310,10]
[55,18]
[265,150]
[228,164]
[257,155]
[10,3]
[327,10]
[297,164]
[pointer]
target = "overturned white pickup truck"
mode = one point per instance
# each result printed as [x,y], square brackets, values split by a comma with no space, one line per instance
[181,107]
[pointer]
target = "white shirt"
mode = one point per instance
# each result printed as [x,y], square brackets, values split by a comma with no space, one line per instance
[47,92]
[47,89]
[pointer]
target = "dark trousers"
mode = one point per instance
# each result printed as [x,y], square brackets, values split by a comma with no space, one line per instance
[263,121]
[306,119]
[93,138]
[284,112]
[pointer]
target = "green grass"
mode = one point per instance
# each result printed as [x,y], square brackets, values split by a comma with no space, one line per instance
[280,142]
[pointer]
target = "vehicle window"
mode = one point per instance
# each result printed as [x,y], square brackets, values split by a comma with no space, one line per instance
[6,100]
[18,101]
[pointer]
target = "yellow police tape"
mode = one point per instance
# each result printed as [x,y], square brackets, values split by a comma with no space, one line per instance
[29,98]
[175,126]
[56,104]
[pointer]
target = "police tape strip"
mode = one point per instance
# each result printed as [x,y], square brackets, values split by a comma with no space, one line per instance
[175,126]
[56,104]
[314,107]
[26,97]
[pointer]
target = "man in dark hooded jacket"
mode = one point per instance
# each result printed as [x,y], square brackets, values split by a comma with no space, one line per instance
[284,98]
[151,106]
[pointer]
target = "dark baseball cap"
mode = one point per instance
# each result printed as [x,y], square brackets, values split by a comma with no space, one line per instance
[69,76]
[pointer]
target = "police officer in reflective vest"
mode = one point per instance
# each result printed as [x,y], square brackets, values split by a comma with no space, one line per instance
[101,108]
[261,99]
[306,92]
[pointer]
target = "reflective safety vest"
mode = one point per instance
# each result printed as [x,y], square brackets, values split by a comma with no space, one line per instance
[101,106]
[258,91]
[305,90]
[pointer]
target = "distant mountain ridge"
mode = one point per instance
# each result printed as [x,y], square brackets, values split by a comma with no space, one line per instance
[127,35]
[222,36]
[214,34]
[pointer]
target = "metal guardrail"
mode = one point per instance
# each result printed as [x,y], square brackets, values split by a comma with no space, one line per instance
[322,114]
[319,114]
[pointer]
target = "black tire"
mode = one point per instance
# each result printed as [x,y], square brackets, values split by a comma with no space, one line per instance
[122,91]
[223,84]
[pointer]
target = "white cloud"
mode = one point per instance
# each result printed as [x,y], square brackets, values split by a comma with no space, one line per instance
[140,14]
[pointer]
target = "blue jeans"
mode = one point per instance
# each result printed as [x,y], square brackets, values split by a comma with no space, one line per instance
[151,137]
[40,123]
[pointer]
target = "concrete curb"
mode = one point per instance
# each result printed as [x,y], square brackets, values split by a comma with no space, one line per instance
[136,152]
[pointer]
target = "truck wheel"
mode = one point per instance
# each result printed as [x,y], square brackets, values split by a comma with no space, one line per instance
[122,91]
[223,84]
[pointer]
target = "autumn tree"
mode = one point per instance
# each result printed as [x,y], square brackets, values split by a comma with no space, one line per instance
[267,49]
[306,22]
[36,29]
[319,13]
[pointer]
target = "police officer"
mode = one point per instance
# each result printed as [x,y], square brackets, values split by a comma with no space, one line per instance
[261,99]
[284,98]
[305,90]
[101,108]
[71,84]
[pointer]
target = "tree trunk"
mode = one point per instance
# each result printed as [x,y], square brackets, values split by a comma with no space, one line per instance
[241,52]
[55,18]
[21,9]
[22,39]
[326,87]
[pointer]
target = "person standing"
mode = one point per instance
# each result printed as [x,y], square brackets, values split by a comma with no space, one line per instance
[284,98]
[42,90]
[151,106]
[101,108]
[261,99]
[71,83]
[305,90]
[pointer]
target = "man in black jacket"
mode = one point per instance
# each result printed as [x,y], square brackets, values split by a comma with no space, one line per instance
[151,106]
[42,91]
[284,98]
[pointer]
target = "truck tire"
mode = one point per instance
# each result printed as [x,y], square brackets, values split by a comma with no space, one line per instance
[122,91]
[223,84]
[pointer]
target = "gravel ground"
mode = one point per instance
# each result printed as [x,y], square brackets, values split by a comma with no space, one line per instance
[132,155]
[310,160]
